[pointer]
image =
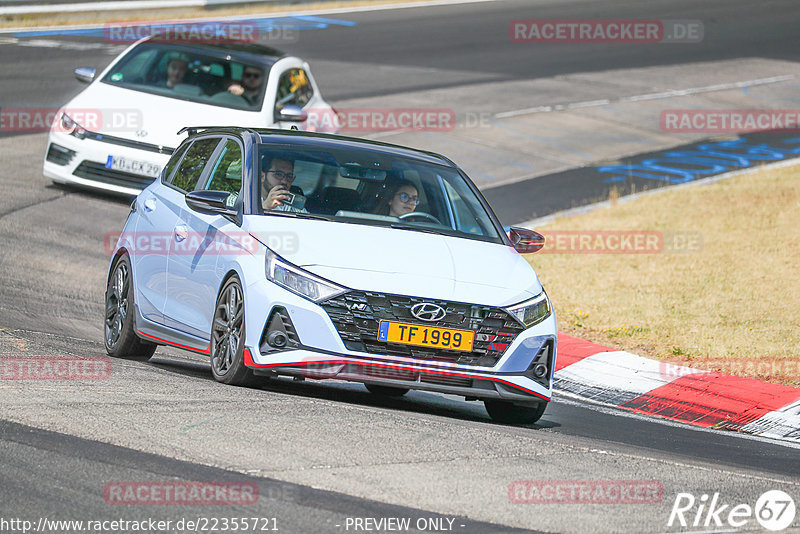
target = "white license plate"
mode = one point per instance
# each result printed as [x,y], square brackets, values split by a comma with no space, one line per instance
[145,168]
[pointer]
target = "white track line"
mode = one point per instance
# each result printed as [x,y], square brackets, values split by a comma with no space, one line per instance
[648,96]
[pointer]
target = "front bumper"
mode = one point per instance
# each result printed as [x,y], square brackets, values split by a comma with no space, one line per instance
[81,162]
[320,353]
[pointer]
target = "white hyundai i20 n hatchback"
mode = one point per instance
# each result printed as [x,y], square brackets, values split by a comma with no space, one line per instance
[317,256]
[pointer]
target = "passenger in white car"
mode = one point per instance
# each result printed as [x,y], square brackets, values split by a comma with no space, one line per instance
[401,198]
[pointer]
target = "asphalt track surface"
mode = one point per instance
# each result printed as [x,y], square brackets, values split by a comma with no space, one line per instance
[53,266]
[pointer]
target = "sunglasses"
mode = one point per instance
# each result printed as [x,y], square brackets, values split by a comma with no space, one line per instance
[251,75]
[280,175]
[406,199]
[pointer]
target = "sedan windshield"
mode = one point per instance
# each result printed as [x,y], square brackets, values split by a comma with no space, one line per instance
[191,74]
[374,188]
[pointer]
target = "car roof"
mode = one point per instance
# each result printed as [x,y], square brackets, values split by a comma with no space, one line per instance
[323,141]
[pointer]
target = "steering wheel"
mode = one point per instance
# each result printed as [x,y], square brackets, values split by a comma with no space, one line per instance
[421,215]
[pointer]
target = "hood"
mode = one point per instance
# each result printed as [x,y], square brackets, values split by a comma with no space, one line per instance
[123,112]
[403,262]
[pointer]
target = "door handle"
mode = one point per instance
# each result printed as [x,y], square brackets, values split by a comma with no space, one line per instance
[181,233]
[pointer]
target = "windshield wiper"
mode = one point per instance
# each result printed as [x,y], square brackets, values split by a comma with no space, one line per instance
[424,229]
[296,215]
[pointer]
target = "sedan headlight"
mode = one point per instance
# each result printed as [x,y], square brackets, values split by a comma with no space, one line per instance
[71,127]
[299,281]
[533,311]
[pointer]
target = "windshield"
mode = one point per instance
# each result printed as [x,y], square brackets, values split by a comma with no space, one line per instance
[191,74]
[360,186]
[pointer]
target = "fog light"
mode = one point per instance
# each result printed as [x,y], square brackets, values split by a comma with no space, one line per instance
[277,339]
[540,370]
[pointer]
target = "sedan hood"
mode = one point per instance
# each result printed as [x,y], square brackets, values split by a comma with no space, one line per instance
[149,118]
[398,261]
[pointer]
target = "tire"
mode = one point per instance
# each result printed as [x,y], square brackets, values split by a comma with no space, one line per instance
[386,391]
[227,337]
[508,413]
[119,332]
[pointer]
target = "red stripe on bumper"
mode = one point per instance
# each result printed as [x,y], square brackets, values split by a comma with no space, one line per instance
[248,361]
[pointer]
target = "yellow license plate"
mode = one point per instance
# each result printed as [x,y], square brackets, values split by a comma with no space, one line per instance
[426,336]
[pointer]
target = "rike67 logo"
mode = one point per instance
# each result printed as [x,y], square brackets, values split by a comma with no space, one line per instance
[774,510]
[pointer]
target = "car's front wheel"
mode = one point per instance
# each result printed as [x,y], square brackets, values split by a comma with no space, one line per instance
[120,336]
[227,337]
[509,413]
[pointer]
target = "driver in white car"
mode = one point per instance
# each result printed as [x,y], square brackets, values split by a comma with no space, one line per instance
[275,184]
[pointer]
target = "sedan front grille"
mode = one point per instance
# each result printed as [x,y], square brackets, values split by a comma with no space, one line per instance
[99,173]
[356,315]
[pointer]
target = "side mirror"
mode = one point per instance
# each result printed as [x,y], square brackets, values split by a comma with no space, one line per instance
[85,74]
[526,241]
[210,202]
[291,113]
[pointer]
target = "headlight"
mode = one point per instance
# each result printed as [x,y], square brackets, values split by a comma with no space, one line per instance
[531,311]
[71,127]
[298,280]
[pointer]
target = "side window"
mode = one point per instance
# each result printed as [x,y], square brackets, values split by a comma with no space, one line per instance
[293,88]
[193,163]
[132,67]
[173,162]
[466,221]
[226,174]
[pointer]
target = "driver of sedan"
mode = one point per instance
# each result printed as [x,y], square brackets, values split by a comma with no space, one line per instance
[275,184]
[250,86]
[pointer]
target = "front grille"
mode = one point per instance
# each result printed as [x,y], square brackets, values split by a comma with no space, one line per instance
[59,155]
[99,173]
[356,315]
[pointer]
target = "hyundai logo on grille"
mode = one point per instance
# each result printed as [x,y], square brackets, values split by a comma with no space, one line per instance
[426,311]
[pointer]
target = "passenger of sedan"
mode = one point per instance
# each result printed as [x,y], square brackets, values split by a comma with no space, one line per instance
[402,197]
[250,86]
[176,71]
[275,184]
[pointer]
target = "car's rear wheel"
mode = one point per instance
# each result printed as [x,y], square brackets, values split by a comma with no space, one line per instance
[509,413]
[227,337]
[120,336]
[386,391]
